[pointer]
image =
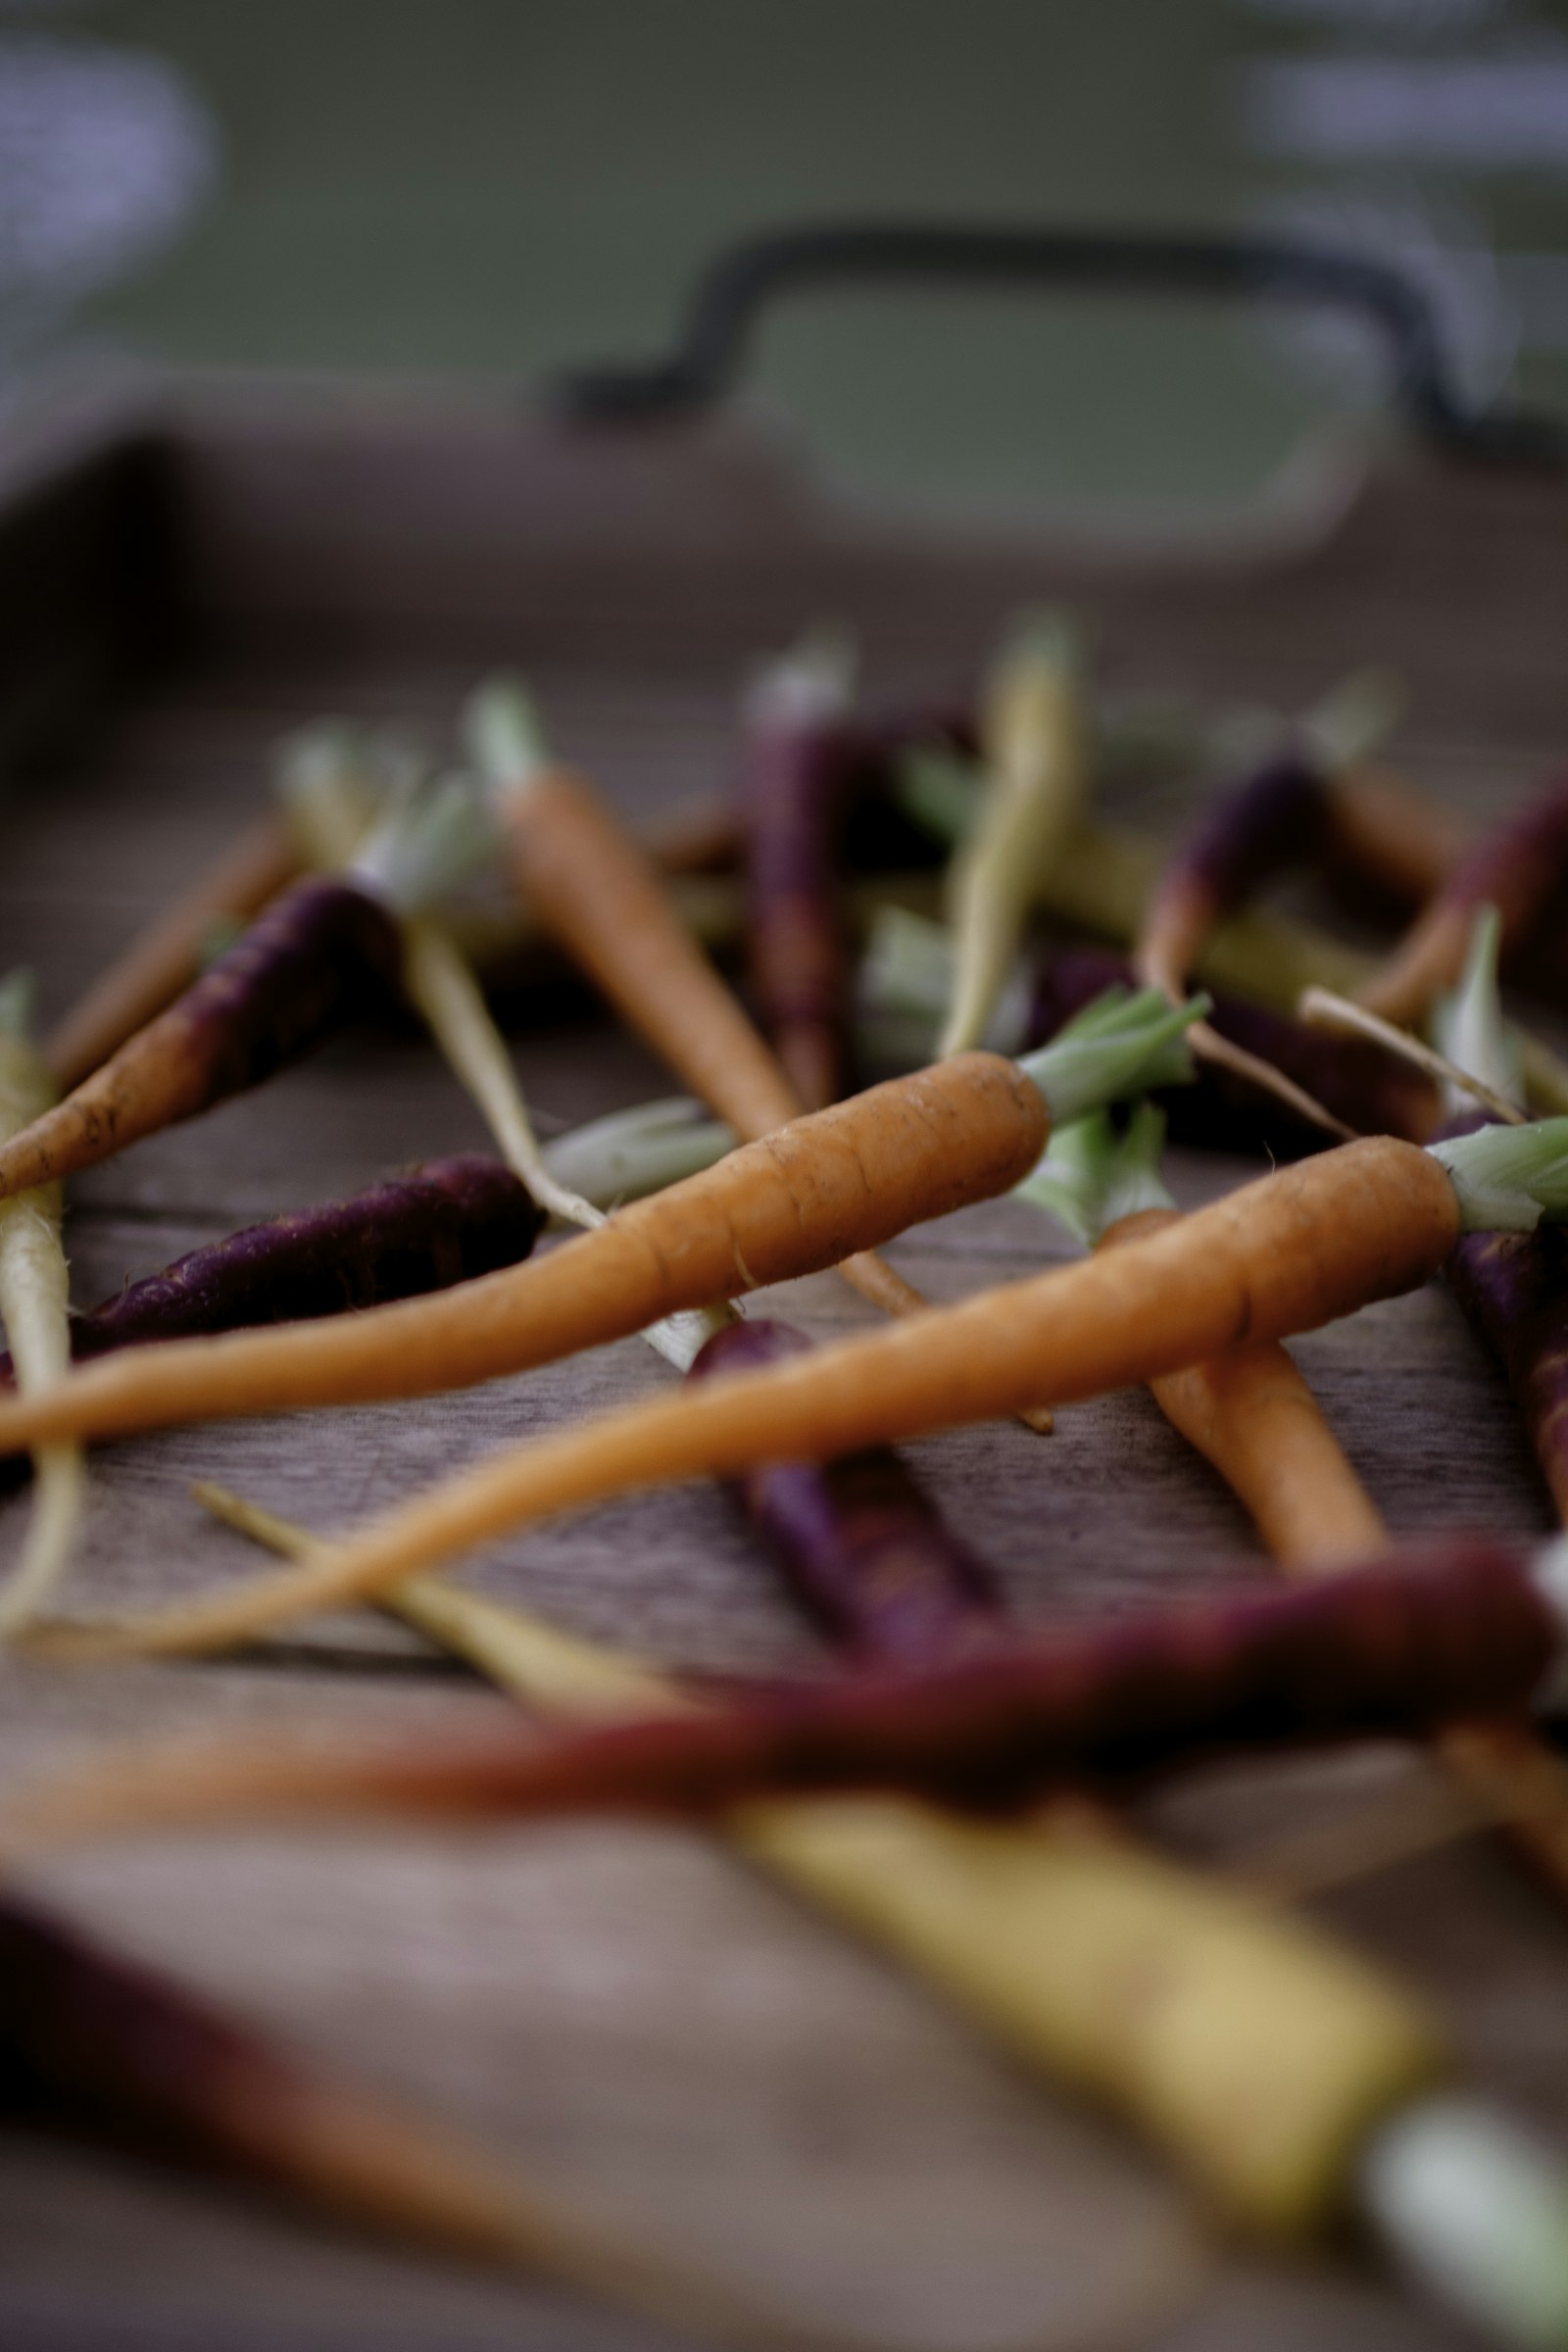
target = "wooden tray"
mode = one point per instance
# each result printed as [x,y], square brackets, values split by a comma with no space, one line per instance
[629,2011]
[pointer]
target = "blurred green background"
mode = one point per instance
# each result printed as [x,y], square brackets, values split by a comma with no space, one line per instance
[463,187]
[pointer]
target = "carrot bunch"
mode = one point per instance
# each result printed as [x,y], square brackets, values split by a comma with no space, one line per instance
[943,1703]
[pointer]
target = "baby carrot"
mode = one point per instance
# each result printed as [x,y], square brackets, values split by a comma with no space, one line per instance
[592,886]
[324,773]
[1464,1627]
[796,768]
[424,1229]
[1289,1252]
[858,1540]
[1513,1287]
[1516,869]
[791,1204]
[1386,833]
[1252,1415]
[35,1303]
[1278,816]
[167,957]
[1035,736]
[112,2049]
[314,957]
[1280,812]
[794,1203]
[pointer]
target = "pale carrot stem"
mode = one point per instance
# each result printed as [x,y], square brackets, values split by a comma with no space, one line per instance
[1321,1008]
[35,1304]
[442,986]
[326,777]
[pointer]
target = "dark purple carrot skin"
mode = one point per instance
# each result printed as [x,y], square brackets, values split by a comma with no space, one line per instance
[1277,819]
[1513,1288]
[1373,1092]
[1519,867]
[794,781]
[99,2045]
[443,1222]
[813,803]
[1432,1636]
[446,1221]
[858,1541]
[323,952]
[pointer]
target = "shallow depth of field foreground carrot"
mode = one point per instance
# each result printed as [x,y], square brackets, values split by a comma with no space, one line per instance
[1287,1253]
[841,1180]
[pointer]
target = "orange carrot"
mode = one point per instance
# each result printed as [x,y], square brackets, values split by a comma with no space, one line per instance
[1252,1414]
[1388,834]
[1517,870]
[592,886]
[167,957]
[798,1201]
[1287,1253]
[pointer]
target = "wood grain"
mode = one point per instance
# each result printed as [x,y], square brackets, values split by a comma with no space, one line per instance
[628,2011]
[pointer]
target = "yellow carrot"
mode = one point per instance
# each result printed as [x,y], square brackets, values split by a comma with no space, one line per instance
[1035,740]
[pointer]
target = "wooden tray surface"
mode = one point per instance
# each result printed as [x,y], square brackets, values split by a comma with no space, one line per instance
[647,2023]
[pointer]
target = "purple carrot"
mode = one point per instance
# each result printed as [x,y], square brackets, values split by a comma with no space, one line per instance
[446,1221]
[101,2046]
[1282,815]
[422,1230]
[313,959]
[316,957]
[858,1540]
[1514,1288]
[795,772]
[1373,1092]
[1277,819]
[1417,1640]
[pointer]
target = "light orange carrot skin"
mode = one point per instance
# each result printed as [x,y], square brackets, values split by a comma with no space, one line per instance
[165,958]
[1293,1250]
[794,1203]
[1252,1415]
[1430,958]
[598,892]
[155,1078]
[1392,834]
[595,889]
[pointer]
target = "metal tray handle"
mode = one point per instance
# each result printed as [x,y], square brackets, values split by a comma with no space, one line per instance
[714,344]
